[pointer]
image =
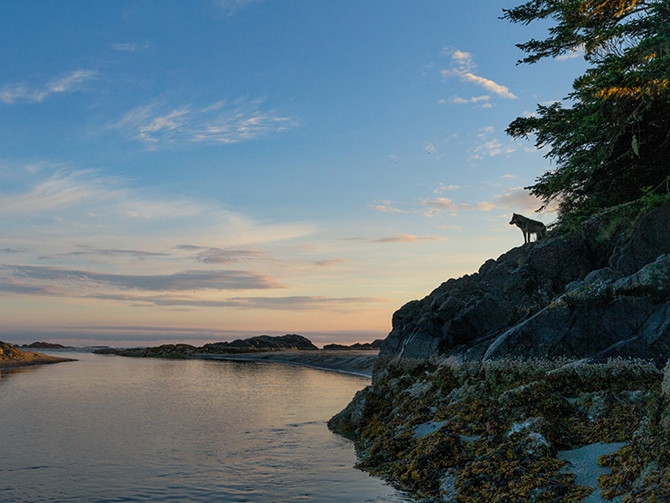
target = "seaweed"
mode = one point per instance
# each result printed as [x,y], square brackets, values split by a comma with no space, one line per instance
[469,431]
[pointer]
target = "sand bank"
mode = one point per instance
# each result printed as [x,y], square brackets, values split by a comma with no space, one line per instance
[352,362]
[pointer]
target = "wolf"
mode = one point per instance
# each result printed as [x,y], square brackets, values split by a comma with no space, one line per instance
[529,227]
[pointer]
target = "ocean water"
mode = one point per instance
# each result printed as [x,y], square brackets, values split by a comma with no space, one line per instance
[114,429]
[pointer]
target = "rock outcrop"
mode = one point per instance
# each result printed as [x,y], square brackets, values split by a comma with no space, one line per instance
[254,344]
[600,292]
[515,430]
[45,345]
[374,345]
[262,343]
[12,357]
[9,352]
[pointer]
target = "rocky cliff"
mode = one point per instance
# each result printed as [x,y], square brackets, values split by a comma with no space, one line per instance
[504,385]
[602,291]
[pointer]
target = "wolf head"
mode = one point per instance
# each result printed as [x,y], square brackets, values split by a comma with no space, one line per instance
[515,219]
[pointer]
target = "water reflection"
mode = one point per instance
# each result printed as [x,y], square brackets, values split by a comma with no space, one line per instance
[121,429]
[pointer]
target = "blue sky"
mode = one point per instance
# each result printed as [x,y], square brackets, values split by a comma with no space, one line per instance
[205,170]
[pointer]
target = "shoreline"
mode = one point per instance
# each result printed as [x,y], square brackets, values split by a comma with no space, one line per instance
[32,358]
[355,362]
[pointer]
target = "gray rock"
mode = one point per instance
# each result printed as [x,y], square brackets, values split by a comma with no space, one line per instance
[597,293]
[650,239]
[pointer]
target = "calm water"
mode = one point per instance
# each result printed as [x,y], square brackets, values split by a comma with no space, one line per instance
[118,429]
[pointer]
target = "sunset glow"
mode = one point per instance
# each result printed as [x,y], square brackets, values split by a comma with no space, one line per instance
[201,171]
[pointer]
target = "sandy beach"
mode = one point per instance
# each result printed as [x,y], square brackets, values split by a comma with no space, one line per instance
[349,361]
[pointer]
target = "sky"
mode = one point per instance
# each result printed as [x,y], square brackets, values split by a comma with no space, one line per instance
[199,171]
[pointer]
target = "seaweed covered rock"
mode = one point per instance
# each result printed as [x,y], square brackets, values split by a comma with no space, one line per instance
[504,430]
[600,292]
[640,471]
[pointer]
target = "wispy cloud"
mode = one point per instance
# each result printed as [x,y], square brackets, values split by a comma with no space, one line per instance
[463,66]
[25,93]
[481,101]
[329,262]
[444,188]
[223,256]
[62,206]
[289,303]
[11,286]
[186,280]
[386,208]
[407,238]
[219,122]
[67,188]
[480,206]
[85,251]
[433,207]
[492,148]
[441,203]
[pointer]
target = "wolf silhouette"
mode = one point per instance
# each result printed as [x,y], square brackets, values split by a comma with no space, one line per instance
[529,227]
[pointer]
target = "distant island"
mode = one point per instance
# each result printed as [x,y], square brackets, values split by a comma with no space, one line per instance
[358,358]
[11,357]
[260,343]
[257,344]
[44,345]
[358,346]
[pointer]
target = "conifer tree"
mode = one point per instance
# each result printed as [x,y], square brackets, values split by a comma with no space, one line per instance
[611,143]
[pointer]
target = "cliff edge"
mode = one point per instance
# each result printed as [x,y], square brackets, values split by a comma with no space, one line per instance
[599,292]
[540,378]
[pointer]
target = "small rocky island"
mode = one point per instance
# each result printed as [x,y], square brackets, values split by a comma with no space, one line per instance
[260,343]
[543,377]
[11,357]
[357,346]
[44,345]
[290,348]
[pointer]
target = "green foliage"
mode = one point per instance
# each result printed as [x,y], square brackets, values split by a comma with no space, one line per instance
[613,142]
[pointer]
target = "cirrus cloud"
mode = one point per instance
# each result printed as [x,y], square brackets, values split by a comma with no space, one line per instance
[184,280]
[217,123]
[23,92]
[463,66]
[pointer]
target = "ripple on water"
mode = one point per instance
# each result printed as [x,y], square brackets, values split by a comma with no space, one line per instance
[111,429]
